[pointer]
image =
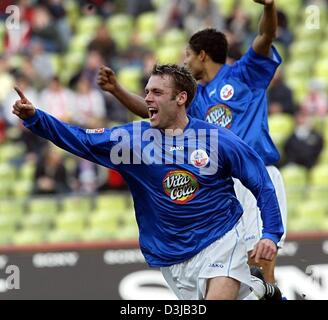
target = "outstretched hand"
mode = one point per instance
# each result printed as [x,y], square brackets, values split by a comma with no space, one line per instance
[265,249]
[106,79]
[23,108]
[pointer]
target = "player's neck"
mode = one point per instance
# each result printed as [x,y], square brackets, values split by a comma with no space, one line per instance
[210,71]
[178,126]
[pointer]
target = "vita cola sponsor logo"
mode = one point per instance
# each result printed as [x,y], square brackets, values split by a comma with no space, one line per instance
[220,115]
[181,186]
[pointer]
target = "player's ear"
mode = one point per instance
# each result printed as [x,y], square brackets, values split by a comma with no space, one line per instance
[181,98]
[202,55]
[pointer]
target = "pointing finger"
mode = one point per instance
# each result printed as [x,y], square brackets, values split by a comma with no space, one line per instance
[20,93]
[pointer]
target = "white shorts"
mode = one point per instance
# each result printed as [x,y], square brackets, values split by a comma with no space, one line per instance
[226,257]
[252,222]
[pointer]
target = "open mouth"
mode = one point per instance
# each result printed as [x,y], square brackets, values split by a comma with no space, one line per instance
[152,113]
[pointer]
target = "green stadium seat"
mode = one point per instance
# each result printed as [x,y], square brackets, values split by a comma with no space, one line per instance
[174,37]
[37,221]
[294,176]
[112,202]
[27,171]
[128,232]
[169,54]
[99,233]
[281,126]
[319,176]
[6,237]
[88,24]
[146,21]
[78,204]
[8,223]
[311,216]
[225,7]
[105,220]
[60,236]
[119,22]
[28,237]
[130,78]
[22,188]
[71,221]
[12,207]
[120,27]
[46,206]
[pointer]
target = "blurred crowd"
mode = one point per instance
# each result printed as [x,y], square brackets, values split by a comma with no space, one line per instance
[46,30]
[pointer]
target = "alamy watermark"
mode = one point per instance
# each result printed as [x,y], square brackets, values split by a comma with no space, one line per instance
[198,148]
[312,20]
[11,280]
[12,22]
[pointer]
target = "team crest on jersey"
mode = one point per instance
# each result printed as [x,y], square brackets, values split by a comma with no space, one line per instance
[226,92]
[220,115]
[199,158]
[99,130]
[180,185]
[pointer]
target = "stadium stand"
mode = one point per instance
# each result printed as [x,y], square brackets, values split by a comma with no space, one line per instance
[102,214]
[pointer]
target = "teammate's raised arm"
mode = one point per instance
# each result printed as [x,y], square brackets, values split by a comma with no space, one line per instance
[107,81]
[267,28]
[23,108]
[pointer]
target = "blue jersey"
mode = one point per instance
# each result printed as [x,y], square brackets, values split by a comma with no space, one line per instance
[179,210]
[236,99]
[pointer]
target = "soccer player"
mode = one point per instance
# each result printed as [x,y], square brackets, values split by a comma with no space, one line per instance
[186,209]
[233,97]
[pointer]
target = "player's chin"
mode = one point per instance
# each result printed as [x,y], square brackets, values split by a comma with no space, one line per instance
[155,124]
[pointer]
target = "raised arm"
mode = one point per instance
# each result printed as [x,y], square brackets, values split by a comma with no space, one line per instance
[267,28]
[108,82]
[94,146]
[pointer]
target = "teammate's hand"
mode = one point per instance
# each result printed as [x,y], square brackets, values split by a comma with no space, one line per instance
[23,108]
[264,2]
[265,249]
[106,79]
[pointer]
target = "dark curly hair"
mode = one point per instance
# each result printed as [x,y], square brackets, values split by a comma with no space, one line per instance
[182,79]
[213,42]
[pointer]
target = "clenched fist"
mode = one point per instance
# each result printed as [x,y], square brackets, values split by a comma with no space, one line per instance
[265,2]
[106,79]
[23,108]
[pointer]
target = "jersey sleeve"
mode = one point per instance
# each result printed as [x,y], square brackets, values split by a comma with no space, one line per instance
[243,163]
[255,69]
[92,144]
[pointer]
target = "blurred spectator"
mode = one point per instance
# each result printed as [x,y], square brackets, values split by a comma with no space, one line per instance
[6,79]
[22,82]
[284,35]
[135,8]
[43,30]
[203,14]
[172,14]
[89,106]
[280,96]
[57,100]
[89,177]
[50,175]
[104,45]
[316,101]
[61,25]
[2,129]
[149,61]
[239,23]
[93,61]
[17,39]
[234,47]
[41,62]
[105,8]
[303,147]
